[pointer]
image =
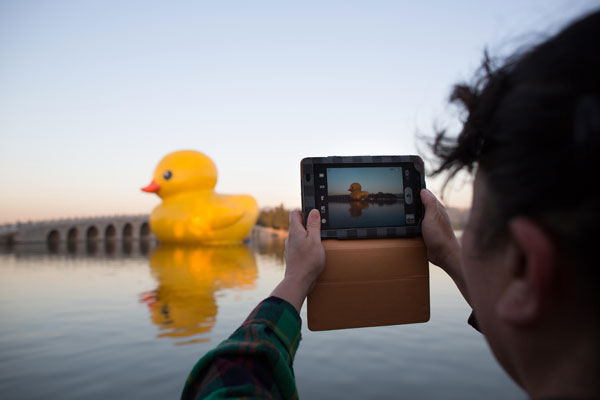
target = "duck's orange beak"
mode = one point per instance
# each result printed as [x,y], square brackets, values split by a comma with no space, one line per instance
[153,187]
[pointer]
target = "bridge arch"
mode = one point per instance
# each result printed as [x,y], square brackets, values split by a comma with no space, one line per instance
[110,246]
[91,235]
[127,247]
[144,230]
[110,233]
[72,234]
[128,231]
[91,247]
[53,238]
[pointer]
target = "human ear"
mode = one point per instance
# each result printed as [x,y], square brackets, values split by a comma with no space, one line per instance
[531,272]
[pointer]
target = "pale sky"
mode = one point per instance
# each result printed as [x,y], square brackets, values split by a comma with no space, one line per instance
[94,93]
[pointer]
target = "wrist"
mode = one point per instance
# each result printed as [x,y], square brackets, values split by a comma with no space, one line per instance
[293,290]
[303,283]
[450,263]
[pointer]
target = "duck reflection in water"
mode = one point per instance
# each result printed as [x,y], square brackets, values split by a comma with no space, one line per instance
[184,303]
[356,208]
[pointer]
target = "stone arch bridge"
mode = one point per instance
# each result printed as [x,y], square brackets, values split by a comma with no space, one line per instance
[122,227]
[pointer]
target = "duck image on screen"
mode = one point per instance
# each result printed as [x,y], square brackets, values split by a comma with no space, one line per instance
[365,197]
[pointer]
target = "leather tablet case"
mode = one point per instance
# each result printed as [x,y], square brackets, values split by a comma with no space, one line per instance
[370,282]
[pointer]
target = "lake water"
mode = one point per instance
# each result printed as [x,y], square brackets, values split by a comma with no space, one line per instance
[129,322]
[365,214]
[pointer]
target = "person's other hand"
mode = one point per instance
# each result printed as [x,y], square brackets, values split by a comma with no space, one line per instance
[304,256]
[443,249]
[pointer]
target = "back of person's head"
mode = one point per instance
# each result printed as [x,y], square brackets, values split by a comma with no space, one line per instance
[532,127]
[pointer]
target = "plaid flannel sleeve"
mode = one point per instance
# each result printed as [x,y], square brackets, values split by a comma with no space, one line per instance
[255,362]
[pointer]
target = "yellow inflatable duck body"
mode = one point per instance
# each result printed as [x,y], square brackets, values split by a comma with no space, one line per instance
[356,192]
[191,212]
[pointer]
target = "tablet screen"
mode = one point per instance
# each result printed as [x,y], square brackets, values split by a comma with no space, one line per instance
[365,197]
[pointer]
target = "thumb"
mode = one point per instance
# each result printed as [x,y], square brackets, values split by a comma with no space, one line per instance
[313,223]
[429,201]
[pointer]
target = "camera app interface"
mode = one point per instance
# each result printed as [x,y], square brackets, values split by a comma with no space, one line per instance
[364,197]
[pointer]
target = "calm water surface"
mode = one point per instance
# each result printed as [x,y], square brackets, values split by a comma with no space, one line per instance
[365,214]
[130,322]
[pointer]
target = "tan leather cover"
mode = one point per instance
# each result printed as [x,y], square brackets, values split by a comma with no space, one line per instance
[370,282]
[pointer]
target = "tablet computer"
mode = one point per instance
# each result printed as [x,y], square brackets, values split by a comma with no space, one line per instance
[362,197]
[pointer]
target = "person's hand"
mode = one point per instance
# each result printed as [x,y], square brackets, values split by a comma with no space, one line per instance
[304,253]
[443,249]
[304,256]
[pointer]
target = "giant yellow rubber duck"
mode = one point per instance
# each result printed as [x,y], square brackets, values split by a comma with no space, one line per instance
[191,212]
[356,192]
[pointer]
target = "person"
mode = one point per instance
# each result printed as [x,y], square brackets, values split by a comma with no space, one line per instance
[527,262]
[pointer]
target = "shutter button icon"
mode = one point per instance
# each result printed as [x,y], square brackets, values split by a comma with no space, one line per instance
[408,195]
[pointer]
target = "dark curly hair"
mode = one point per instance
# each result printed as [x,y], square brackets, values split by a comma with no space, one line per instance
[532,126]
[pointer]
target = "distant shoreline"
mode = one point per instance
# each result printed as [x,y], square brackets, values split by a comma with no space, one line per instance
[259,230]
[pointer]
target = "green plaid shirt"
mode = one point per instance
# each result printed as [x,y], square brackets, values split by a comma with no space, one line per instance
[255,362]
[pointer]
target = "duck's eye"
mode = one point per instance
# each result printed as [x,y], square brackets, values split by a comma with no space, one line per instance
[167,175]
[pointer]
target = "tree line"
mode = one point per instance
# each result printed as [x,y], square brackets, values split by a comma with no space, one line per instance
[278,218]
